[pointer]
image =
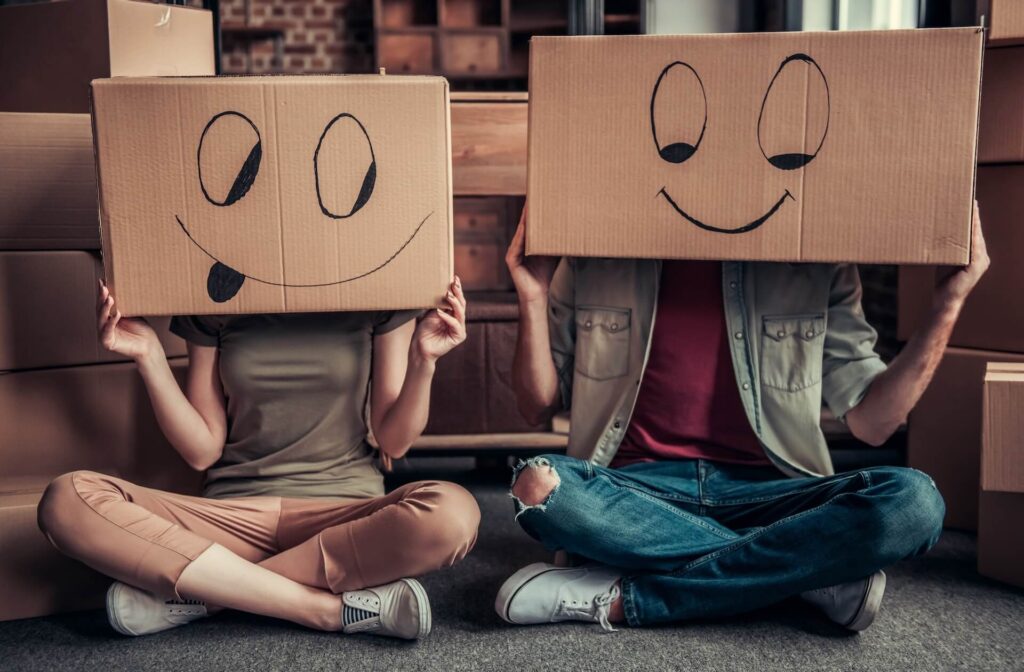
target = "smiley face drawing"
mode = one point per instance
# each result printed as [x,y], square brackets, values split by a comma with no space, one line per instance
[229,156]
[798,69]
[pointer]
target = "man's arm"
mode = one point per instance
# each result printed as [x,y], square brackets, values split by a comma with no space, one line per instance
[896,391]
[534,375]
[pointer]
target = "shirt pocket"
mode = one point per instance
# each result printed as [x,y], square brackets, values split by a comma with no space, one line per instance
[792,347]
[602,341]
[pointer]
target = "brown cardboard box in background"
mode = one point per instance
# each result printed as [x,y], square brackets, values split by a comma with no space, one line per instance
[274,194]
[47,182]
[993,316]
[1001,537]
[35,578]
[1004,20]
[945,431]
[50,51]
[87,417]
[795,143]
[48,311]
[1001,133]
[1002,452]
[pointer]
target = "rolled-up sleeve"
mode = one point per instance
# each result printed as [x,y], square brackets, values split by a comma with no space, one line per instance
[850,361]
[562,325]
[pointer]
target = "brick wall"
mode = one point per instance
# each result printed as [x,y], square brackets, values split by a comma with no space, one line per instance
[320,36]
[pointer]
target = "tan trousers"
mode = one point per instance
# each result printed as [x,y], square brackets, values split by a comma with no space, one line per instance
[146,538]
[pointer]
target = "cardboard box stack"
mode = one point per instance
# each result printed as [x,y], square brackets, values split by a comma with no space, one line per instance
[945,428]
[1000,542]
[65,402]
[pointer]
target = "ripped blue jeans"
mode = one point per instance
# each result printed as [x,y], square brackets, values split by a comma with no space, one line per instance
[699,539]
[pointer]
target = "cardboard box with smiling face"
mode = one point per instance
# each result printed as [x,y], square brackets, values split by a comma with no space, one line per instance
[843,146]
[274,194]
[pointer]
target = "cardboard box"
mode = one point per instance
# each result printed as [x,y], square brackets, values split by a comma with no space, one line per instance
[837,146]
[1004,20]
[48,312]
[50,51]
[35,578]
[1001,537]
[945,430]
[993,316]
[47,182]
[1002,452]
[1001,135]
[87,417]
[274,194]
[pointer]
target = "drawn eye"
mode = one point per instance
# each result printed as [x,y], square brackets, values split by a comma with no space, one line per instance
[679,112]
[344,166]
[230,150]
[794,114]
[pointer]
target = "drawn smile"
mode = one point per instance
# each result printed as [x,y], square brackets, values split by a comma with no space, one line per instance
[230,270]
[743,229]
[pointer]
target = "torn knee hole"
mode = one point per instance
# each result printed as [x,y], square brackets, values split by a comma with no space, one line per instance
[534,482]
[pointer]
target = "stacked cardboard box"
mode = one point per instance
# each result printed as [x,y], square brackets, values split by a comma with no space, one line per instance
[65,402]
[945,428]
[1000,542]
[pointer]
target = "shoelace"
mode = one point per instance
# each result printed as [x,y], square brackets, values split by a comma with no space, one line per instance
[598,612]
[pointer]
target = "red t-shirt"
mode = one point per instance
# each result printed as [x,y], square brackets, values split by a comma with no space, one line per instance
[689,406]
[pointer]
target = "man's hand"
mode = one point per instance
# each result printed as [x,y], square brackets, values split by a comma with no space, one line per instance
[954,289]
[530,275]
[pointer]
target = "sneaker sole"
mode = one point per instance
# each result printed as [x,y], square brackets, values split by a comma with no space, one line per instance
[423,604]
[871,604]
[514,584]
[112,595]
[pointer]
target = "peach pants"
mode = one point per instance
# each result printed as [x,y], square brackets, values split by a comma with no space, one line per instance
[146,538]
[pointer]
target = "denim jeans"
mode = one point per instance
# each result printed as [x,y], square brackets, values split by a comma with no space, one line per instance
[700,539]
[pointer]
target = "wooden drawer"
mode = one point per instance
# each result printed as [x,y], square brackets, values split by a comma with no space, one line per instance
[488,147]
[471,53]
[481,264]
[412,53]
[480,216]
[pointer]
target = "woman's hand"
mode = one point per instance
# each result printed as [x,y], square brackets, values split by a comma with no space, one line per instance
[442,329]
[530,275]
[126,336]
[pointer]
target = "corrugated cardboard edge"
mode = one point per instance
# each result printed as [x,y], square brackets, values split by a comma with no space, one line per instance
[104,225]
[529,141]
[450,185]
[977,142]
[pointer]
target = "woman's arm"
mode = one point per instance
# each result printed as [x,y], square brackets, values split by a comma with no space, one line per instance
[196,423]
[403,368]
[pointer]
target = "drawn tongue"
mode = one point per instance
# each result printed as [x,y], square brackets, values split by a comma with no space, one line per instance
[223,282]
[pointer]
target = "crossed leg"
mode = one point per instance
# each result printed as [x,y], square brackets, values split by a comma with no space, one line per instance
[279,557]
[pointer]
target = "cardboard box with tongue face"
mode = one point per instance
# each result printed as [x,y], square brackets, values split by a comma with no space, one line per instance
[800,147]
[274,194]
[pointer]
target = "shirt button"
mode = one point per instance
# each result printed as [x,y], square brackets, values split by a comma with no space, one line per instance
[617,424]
[739,335]
[746,386]
[588,324]
[780,333]
[615,326]
[810,333]
[732,284]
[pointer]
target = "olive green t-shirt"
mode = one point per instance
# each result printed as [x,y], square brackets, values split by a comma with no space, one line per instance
[296,389]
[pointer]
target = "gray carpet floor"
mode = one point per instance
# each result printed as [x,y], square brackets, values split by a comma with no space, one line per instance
[938,614]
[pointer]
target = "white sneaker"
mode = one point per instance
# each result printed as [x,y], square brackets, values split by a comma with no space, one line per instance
[400,609]
[543,593]
[852,605]
[132,611]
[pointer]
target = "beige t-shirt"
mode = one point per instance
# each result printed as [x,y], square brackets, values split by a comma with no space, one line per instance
[296,388]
